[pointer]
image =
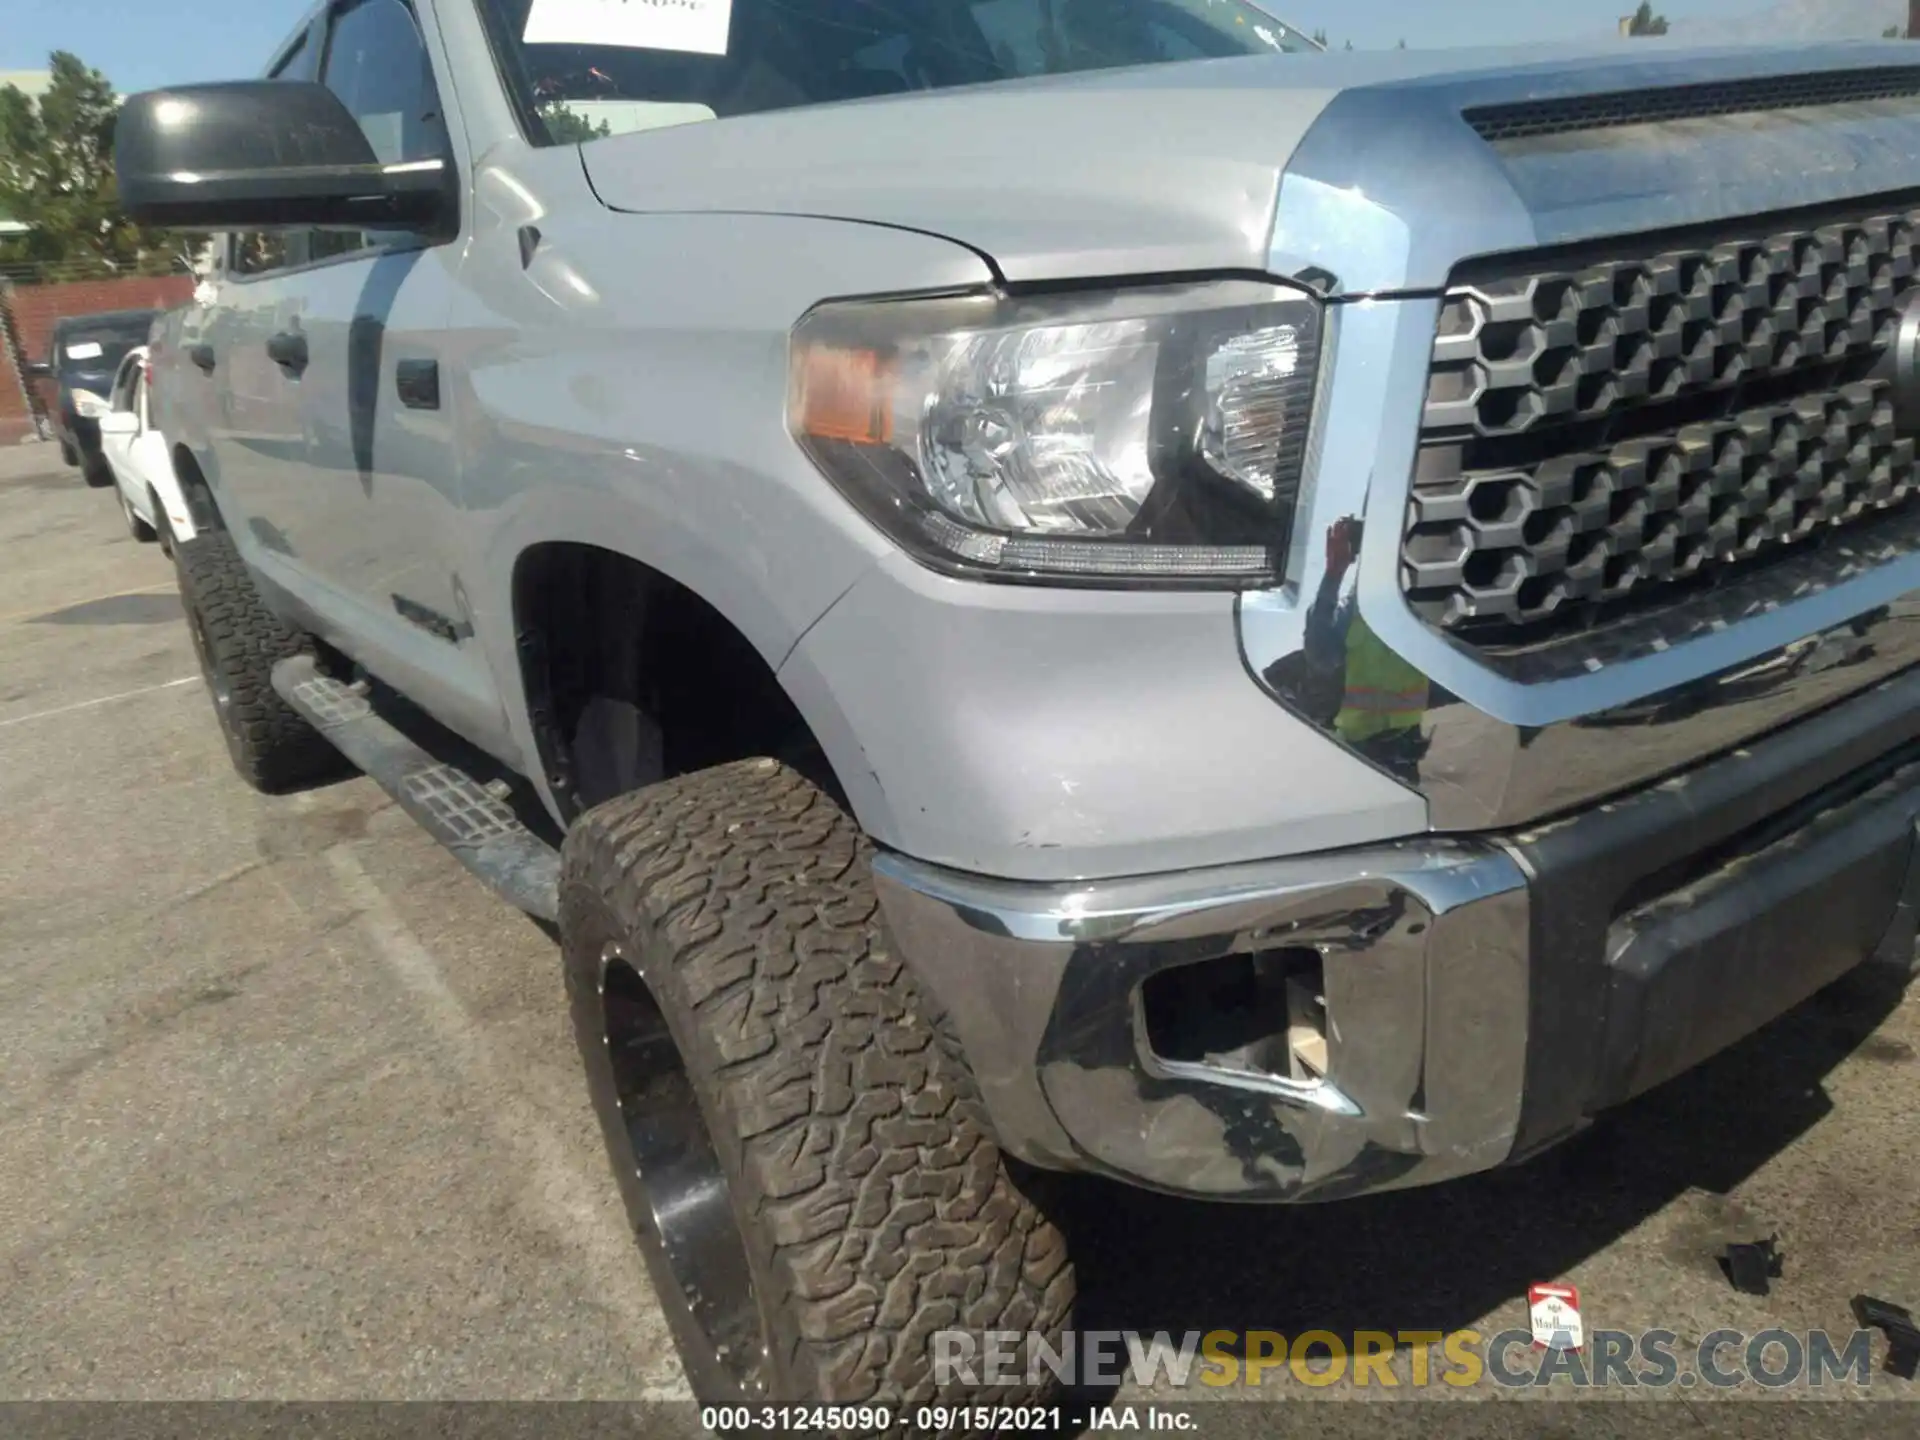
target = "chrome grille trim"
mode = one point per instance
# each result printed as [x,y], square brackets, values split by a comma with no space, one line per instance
[1597,429]
[1518,545]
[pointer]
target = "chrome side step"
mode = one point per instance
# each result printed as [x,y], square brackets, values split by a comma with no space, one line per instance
[469,818]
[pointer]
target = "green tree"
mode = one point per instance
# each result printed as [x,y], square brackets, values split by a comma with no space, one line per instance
[570,127]
[1645,22]
[56,172]
[1895,32]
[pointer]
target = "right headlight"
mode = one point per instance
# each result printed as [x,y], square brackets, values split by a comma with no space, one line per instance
[1133,437]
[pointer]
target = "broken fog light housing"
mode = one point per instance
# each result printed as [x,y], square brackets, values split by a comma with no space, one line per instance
[1150,436]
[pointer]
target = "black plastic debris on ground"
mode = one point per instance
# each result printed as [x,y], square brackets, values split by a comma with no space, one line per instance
[1753,1265]
[1897,1323]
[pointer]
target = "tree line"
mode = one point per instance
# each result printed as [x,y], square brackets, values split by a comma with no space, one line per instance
[56,174]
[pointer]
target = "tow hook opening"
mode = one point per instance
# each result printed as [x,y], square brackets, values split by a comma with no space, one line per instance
[1263,1014]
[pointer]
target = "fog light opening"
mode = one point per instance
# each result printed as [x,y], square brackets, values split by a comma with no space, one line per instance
[1263,1014]
[1307,1025]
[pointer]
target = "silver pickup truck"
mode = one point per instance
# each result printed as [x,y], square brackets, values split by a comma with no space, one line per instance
[1066,587]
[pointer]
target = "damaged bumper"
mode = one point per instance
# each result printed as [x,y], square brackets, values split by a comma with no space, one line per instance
[1331,1025]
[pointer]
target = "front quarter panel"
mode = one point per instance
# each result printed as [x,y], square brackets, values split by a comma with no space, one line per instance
[1039,734]
[621,381]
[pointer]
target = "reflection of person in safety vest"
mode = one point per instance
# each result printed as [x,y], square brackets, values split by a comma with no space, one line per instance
[1384,695]
[1382,699]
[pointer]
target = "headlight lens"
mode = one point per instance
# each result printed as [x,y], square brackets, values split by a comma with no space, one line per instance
[1149,435]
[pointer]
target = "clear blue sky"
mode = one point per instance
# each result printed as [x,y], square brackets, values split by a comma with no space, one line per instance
[144,43]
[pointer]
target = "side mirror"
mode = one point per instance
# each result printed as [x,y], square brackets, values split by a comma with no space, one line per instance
[39,370]
[265,154]
[120,422]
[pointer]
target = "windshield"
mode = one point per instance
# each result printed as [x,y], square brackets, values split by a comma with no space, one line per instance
[588,68]
[102,346]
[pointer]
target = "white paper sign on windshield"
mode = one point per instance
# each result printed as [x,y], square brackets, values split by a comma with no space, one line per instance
[697,26]
[85,350]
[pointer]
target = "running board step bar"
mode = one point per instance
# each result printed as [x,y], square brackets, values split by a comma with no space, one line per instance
[470,819]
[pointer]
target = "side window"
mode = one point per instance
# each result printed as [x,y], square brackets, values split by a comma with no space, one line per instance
[260,251]
[376,62]
[301,61]
[378,65]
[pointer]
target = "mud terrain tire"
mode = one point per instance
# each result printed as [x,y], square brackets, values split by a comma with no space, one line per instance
[801,1148]
[238,641]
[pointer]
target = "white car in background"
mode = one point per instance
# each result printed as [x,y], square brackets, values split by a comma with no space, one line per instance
[136,452]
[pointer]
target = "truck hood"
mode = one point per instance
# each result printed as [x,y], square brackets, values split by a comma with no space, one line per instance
[1365,166]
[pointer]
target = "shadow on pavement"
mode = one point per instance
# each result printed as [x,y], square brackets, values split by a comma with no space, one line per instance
[136,609]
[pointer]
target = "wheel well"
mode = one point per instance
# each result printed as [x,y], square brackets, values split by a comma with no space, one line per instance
[201,507]
[631,678]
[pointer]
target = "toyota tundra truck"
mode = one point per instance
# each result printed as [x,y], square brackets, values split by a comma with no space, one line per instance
[1066,587]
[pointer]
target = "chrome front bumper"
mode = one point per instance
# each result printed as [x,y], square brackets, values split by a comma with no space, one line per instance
[1428,1004]
[1482,998]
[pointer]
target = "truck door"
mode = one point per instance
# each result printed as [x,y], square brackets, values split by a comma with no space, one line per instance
[252,429]
[371,515]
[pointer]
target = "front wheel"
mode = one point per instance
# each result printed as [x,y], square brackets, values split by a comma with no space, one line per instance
[802,1150]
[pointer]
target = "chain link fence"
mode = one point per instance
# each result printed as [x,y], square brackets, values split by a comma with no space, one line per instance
[66,272]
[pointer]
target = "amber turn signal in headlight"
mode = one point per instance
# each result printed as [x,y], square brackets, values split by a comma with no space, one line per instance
[1153,435]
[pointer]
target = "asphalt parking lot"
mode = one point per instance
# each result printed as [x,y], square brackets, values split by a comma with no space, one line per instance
[291,1109]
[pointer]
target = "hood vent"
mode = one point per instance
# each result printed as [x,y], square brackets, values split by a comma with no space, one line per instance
[1531,119]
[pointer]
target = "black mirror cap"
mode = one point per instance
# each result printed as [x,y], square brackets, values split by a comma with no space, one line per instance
[39,370]
[265,154]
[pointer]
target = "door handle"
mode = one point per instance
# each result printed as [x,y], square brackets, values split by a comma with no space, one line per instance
[418,383]
[288,349]
[203,357]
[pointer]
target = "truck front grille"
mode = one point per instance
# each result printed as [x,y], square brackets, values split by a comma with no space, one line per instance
[1601,426]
